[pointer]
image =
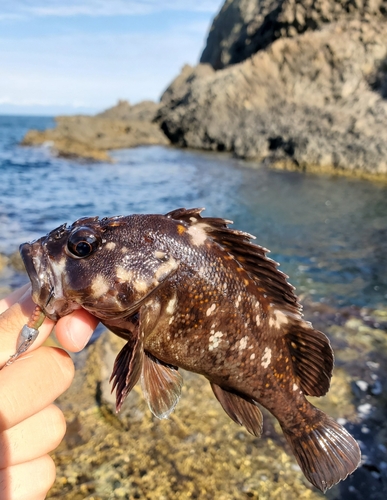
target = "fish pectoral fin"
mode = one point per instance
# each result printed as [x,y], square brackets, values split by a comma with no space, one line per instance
[161,385]
[243,411]
[127,369]
[312,358]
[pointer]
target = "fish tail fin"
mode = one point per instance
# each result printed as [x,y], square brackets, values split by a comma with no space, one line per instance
[325,451]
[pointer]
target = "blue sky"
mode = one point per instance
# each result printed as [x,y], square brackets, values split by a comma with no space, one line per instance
[81,56]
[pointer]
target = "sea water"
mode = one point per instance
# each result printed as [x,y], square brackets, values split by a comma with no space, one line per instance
[328,233]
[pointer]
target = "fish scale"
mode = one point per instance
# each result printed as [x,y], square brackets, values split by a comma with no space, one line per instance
[189,292]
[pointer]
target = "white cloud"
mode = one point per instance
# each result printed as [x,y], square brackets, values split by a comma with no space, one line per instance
[94,8]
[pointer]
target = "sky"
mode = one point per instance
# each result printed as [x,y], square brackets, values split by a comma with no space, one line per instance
[81,56]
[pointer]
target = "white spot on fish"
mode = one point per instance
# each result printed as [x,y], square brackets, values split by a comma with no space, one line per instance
[171,305]
[210,310]
[243,343]
[238,300]
[295,387]
[252,356]
[124,250]
[198,234]
[140,286]
[278,319]
[60,266]
[123,274]
[160,255]
[258,319]
[266,358]
[171,320]
[99,286]
[215,339]
[166,269]
[110,246]
[58,269]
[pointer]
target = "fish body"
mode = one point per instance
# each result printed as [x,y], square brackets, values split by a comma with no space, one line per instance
[187,291]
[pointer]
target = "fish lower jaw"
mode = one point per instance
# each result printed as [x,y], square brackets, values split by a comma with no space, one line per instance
[59,308]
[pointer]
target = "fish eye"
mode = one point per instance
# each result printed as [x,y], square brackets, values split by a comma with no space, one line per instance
[82,242]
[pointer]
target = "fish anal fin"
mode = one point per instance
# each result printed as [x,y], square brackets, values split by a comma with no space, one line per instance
[312,358]
[252,258]
[242,411]
[161,385]
[127,368]
[324,450]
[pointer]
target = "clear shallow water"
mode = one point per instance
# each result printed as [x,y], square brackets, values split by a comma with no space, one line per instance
[330,234]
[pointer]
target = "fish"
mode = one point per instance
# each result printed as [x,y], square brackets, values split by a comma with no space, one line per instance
[187,291]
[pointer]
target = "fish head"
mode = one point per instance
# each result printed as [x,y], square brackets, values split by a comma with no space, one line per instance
[107,266]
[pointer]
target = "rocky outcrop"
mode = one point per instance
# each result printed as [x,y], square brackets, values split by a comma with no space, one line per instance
[300,84]
[90,137]
[199,452]
[144,111]
[243,27]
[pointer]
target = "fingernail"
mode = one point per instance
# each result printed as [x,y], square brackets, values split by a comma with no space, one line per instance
[79,333]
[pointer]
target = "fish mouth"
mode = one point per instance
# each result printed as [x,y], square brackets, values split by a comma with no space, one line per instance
[42,279]
[26,250]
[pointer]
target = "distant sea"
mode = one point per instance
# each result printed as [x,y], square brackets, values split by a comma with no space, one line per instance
[328,233]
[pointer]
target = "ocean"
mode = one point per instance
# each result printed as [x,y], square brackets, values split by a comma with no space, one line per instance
[328,233]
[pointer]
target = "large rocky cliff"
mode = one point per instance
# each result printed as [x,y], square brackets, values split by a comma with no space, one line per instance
[299,83]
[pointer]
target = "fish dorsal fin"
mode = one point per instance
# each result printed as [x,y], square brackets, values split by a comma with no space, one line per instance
[127,366]
[312,358]
[161,385]
[243,411]
[263,270]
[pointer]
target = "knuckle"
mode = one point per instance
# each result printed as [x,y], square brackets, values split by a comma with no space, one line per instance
[62,365]
[57,422]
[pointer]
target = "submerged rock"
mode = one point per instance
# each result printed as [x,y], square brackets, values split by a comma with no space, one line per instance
[90,137]
[198,452]
[301,85]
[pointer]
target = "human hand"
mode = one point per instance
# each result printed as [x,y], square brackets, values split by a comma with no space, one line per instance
[30,425]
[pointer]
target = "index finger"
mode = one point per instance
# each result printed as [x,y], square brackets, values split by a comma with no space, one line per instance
[72,331]
[12,321]
[13,297]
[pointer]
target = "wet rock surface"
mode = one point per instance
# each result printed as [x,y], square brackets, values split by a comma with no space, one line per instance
[12,273]
[301,85]
[199,452]
[90,137]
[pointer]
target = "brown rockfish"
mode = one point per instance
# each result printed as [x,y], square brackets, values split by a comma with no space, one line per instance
[187,291]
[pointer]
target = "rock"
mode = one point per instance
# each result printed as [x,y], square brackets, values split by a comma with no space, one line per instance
[244,27]
[16,262]
[310,95]
[90,137]
[144,111]
[104,454]
[4,261]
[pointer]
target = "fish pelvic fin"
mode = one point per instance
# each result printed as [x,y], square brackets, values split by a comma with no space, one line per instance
[242,411]
[127,369]
[312,357]
[324,450]
[161,385]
